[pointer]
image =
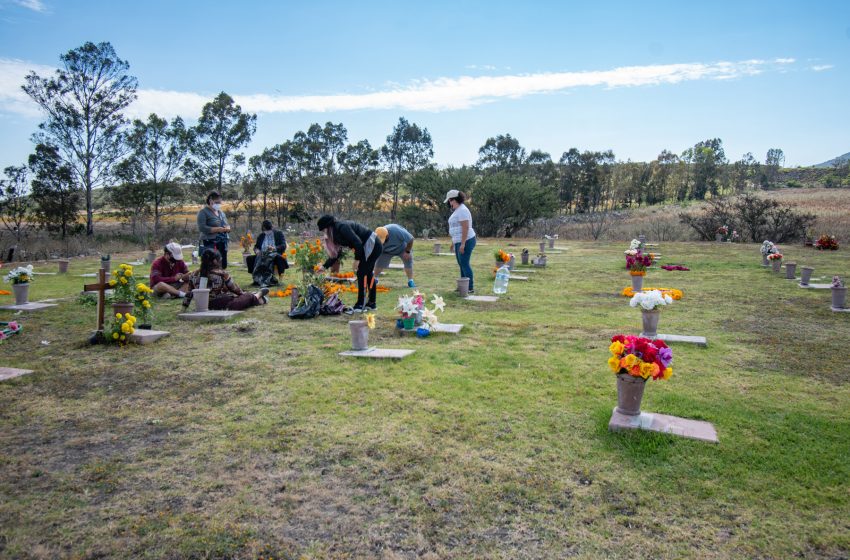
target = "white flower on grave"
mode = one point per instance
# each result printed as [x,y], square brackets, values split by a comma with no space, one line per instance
[438,303]
[635,244]
[430,318]
[650,300]
[406,305]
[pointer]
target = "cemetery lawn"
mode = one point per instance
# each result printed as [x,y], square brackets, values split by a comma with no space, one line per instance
[214,443]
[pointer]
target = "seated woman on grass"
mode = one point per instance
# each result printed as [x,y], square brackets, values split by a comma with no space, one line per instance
[224,293]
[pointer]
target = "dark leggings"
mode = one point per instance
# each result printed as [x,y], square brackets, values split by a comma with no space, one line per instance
[219,246]
[233,303]
[366,276]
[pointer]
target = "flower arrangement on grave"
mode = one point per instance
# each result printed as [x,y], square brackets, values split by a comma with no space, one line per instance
[774,257]
[672,292]
[8,329]
[124,284]
[413,306]
[723,230]
[144,303]
[768,248]
[735,237]
[286,292]
[120,329]
[247,242]
[501,256]
[19,275]
[826,243]
[308,257]
[343,275]
[837,282]
[635,245]
[651,300]
[637,262]
[640,357]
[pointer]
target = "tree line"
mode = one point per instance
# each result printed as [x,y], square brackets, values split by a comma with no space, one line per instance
[151,168]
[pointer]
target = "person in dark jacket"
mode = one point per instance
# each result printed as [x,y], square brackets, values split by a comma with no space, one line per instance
[213,227]
[270,240]
[367,248]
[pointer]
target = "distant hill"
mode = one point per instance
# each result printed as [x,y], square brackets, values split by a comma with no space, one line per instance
[833,161]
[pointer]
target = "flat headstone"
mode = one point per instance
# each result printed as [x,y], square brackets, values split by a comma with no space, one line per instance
[208,316]
[665,424]
[443,254]
[816,286]
[520,278]
[379,353]
[87,275]
[482,298]
[698,340]
[137,263]
[11,373]
[31,306]
[451,328]
[45,273]
[840,309]
[396,266]
[147,336]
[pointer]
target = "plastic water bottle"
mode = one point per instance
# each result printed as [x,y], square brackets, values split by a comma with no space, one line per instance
[500,286]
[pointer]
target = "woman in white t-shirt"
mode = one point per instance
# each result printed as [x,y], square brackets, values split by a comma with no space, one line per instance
[462,234]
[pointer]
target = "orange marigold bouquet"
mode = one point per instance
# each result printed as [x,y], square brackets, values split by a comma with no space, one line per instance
[826,243]
[247,242]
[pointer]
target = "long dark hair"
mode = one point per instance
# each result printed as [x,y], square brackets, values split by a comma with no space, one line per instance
[208,259]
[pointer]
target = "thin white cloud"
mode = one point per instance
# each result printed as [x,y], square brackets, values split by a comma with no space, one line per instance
[441,94]
[822,67]
[34,5]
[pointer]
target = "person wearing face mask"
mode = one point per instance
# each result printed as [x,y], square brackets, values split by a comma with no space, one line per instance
[463,236]
[213,226]
[269,251]
[169,273]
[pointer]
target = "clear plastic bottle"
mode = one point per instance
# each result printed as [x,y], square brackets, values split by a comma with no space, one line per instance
[500,286]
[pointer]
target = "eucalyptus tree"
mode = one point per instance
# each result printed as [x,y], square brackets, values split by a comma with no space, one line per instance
[15,202]
[501,153]
[408,149]
[83,102]
[55,194]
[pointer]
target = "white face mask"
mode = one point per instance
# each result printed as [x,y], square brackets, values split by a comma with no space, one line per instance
[217,206]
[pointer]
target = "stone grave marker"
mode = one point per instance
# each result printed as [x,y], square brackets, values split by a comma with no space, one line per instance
[698,340]
[665,424]
[395,266]
[518,277]
[451,328]
[28,306]
[815,286]
[147,336]
[482,298]
[208,316]
[11,373]
[379,353]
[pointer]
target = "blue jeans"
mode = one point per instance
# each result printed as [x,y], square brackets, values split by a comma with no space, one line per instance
[463,260]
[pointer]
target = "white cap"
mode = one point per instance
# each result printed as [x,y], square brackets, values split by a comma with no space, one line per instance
[176,251]
[451,194]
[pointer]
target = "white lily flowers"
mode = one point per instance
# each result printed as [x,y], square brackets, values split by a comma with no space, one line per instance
[650,300]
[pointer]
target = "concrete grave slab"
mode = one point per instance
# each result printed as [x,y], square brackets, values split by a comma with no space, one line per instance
[840,309]
[816,286]
[443,254]
[395,266]
[147,336]
[683,427]
[45,273]
[518,277]
[482,298]
[208,316]
[11,373]
[451,328]
[698,340]
[30,306]
[137,263]
[87,275]
[379,353]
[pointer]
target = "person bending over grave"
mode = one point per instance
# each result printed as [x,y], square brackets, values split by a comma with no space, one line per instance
[463,236]
[270,243]
[224,292]
[169,273]
[397,242]
[213,227]
[367,249]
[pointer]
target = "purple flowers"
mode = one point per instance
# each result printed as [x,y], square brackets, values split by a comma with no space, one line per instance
[665,356]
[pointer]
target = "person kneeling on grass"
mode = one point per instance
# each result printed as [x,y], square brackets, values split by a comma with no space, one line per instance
[224,292]
[398,242]
[169,273]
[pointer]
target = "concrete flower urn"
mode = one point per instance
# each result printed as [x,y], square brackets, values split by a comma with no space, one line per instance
[359,335]
[790,271]
[438,248]
[63,266]
[551,242]
[637,283]
[106,265]
[718,237]
[642,238]
[151,256]
[542,246]
[22,293]
[524,256]
[777,265]
[511,263]
[122,308]
[629,394]
[764,261]
[245,259]
[650,322]
[540,261]
[839,297]
[806,275]
[463,287]
[201,296]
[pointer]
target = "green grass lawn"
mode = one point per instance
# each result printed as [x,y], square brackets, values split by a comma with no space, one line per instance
[493,444]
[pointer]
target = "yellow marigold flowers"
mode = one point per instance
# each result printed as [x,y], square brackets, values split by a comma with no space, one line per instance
[646,369]
[616,348]
[119,316]
[115,335]
[631,360]
[123,281]
[112,282]
[614,364]
[146,304]
[667,373]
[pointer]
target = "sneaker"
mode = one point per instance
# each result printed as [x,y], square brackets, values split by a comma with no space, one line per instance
[411,284]
[371,307]
[264,292]
[264,300]
[353,310]
[471,292]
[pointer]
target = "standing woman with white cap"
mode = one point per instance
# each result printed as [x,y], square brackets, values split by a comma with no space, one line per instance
[462,234]
[367,248]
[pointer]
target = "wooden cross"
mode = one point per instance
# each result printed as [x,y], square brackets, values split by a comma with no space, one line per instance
[101,288]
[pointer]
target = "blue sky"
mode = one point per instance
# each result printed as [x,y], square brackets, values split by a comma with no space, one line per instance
[634,77]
